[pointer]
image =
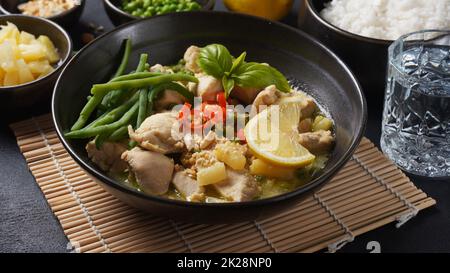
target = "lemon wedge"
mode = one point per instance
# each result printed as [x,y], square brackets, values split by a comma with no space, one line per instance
[273,135]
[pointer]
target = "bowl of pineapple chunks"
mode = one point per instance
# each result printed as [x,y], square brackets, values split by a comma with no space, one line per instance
[32,53]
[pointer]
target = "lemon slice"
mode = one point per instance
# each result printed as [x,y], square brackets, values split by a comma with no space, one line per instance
[273,135]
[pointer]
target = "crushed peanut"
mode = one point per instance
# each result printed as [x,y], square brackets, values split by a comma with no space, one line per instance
[47,8]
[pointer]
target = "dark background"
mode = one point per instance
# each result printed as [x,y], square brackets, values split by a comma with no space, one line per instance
[28,225]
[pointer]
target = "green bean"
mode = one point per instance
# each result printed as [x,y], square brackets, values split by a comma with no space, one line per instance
[125,58]
[95,100]
[119,134]
[114,114]
[86,111]
[113,97]
[152,95]
[100,139]
[143,94]
[141,83]
[107,128]
[136,76]
[142,62]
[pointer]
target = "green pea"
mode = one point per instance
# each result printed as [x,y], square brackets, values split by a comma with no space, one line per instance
[172,7]
[131,6]
[165,9]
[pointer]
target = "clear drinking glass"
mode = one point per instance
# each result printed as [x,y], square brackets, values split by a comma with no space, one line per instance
[416,117]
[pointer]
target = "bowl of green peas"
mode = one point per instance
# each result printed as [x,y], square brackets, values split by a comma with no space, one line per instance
[123,11]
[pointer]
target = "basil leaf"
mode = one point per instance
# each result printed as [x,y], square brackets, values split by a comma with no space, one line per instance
[259,76]
[228,85]
[238,62]
[215,60]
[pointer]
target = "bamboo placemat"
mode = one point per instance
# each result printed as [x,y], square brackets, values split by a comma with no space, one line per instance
[368,192]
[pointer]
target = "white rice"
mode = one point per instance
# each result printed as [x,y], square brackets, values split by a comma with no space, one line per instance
[387,19]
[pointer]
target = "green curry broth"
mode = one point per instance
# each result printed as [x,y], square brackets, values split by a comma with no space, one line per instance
[269,186]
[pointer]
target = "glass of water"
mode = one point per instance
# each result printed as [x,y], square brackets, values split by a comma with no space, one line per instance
[416,117]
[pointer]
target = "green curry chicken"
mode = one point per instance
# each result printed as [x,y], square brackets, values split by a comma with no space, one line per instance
[197,151]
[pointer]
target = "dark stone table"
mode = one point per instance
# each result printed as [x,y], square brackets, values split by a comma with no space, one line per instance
[28,225]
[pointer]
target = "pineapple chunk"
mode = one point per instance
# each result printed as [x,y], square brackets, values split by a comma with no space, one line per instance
[26,38]
[232,154]
[25,74]
[38,67]
[7,60]
[10,31]
[23,58]
[260,167]
[50,50]
[32,52]
[48,70]
[212,174]
[11,78]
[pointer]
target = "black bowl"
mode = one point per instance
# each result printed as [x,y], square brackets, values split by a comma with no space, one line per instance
[166,38]
[65,19]
[119,17]
[16,99]
[366,57]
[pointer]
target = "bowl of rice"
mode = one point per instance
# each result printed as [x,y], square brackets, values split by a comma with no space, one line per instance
[360,32]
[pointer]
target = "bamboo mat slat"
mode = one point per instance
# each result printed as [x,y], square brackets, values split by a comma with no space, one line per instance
[367,193]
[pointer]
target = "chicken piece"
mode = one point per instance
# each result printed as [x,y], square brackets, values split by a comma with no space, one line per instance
[153,171]
[192,141]
[308,107]
[307,104]
[160,68]
[108,156]
[159,133]
[197,142]
[270,95]
[208,141]
[192,87]
[208,87]
[305,125]
[188,186]
[191,57]
[169,99]
[238,187]
[317,142]
[245,95]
